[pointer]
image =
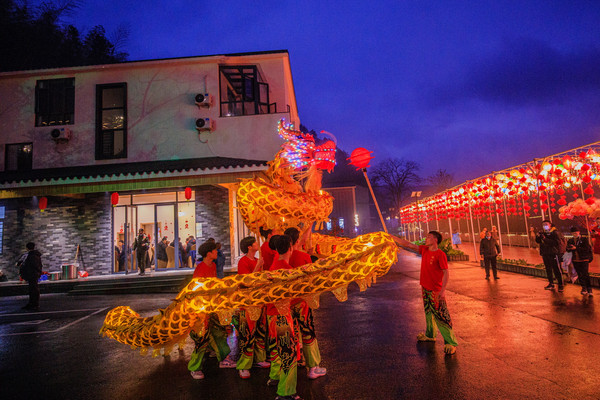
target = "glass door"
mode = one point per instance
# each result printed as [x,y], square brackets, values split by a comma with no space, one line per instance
[130,233]
[167,257]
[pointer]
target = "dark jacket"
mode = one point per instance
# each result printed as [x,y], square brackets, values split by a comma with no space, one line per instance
[161,252]
[141,243]
[582,251]
[121,255]
[548,242]
[31,268]
[489,247]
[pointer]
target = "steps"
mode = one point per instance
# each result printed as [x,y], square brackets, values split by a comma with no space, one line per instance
[132,285]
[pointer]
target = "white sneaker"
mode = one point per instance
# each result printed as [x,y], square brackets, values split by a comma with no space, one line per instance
[244,373]
[197,374]
[227,363]
[315,372]
[263,364]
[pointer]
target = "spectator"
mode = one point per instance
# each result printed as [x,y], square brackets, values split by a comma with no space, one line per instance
[532,236]
[582,255]
[141,246]
[489,250]
[596,240]
[30,269]
[190,248]
[548,241]
[483,233]
[456,238]
[161,253]
[121,255]
[494,232]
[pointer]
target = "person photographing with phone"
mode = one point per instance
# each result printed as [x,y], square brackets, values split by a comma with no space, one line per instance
[548,239]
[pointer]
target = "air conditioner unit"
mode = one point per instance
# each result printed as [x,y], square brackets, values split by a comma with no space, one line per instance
[205,124]
[60,134]
[203,100]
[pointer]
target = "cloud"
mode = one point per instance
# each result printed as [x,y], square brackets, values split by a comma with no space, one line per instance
[525,72]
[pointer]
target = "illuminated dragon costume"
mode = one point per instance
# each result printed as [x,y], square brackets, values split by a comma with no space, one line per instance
[277,199]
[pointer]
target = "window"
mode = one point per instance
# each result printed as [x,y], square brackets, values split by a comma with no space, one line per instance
[55,102]
[18,157]
[242,91]
[111,121]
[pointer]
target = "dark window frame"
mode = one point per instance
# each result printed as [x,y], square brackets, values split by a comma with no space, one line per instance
[243,92]
[7,147]
[55,102]
[101,134]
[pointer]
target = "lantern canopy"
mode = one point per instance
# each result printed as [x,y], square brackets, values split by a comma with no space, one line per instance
[360,158]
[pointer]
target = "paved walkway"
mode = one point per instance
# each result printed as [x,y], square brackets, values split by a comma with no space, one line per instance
[517,252]
[516,341]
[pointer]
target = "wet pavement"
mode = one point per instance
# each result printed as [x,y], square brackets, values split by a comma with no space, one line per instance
[531,255]
[516,340]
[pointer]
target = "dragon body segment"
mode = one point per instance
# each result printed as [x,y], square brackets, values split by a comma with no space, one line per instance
[275,200]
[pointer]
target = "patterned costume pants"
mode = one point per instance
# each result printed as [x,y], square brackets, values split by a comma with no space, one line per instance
[284,353]
[252,348]
[305,331]
[437,310]
[214,335]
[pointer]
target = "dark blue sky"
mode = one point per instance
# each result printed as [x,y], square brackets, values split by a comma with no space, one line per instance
[466,86]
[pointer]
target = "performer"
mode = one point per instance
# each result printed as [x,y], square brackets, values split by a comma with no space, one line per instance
[250,349]
[284,358]
[302,313]
[210,330]
[266,253]
[434,278]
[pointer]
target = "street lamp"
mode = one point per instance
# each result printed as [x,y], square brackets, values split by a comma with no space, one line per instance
[416,195]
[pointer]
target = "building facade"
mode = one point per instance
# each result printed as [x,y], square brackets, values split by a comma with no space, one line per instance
[157,144]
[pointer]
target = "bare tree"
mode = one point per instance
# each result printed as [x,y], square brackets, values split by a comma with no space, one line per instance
[395,178]
[440,180]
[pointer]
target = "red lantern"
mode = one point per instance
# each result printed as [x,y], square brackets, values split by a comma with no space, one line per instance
[114,199]
[589,190]
[360,158]
[560,191]
[43,203]
[188,193]
[590,201]
[585,167]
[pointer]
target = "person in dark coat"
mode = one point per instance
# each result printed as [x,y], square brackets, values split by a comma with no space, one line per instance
[30,269]
[161,250]
[489,250]
[121,255]
[582,255]
[141,247]
[548,241]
